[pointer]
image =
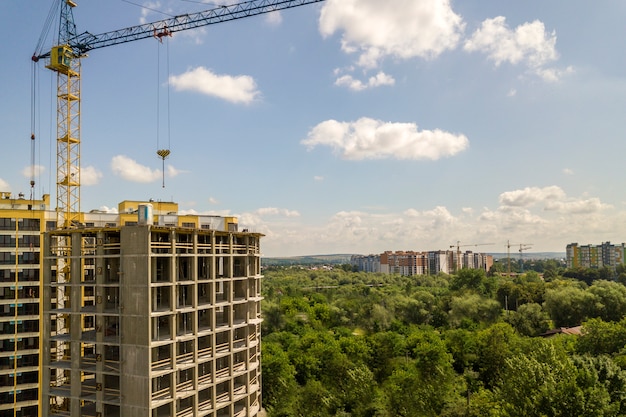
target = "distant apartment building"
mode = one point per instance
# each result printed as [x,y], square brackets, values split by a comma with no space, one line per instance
[404,263]
[143,312]
[366,263]
[595,256]
[411,263]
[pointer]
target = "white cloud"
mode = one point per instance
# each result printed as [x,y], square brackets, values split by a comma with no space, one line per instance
[107,209]
[274,18]
[174,172]
[401,29]
[235,89]
[4,186]
[568,171]
[36,170]
[131,170]
[89,175]
[318,178]
[273,211]
[530,196]
[527,44]
[148,8]
[377,80]
[213,201]
[591,205]
[552,198]
[373,139]
[374,230]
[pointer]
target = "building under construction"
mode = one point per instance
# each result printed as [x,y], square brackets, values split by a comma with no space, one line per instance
[143,312]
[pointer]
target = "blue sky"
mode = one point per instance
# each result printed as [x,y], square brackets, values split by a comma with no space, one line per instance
[348,126]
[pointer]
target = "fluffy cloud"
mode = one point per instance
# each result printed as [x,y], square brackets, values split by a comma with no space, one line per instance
[273,211]
[4,186]
[530,196]
[89,175]
[373,139]
[107,209]
[527,44]
[174,172]
[35,170]
[552,198]
[131,170]
[377,80]
[591,205]
[549,226]
[274,18]
[240,89]
[399,29]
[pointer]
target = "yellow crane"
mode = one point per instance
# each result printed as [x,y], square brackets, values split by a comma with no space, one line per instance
[458,264]
[65,57]
[522,247]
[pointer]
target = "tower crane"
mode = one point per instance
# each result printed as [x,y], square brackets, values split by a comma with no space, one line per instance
[522,247]
[65,57]
[458,247]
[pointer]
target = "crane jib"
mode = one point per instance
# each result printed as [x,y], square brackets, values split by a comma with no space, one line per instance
[86,41]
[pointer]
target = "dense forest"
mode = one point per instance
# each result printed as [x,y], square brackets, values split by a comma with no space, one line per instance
[343,343]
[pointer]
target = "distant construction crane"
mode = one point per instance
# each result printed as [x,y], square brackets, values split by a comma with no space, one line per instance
[522,247]
[458,264]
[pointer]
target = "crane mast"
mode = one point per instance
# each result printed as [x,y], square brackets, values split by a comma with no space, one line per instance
[65,59]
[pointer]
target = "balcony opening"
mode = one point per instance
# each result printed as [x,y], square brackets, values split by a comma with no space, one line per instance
[184,324]
[205,266]
[161,357]
[184,269]
[204,320]
[161,269]
[204,294]
[185,296]
[161,299]
[161,328]
[185,351]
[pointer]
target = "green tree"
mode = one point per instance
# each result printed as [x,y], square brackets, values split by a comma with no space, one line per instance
[529,320]
[610,300]
[568,306]
[385,348]
[474,280]
[494,346]
[600,337]
[473,308]
[545,381]
[279,382]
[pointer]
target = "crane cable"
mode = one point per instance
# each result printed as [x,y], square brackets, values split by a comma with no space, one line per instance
[33,89]
[33,118]
[163,153]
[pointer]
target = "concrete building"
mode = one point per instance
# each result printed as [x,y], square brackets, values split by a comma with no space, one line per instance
[147,313]
[595,256]
[21,224]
